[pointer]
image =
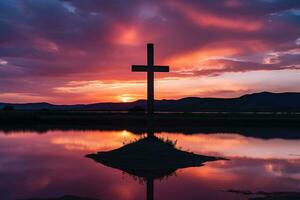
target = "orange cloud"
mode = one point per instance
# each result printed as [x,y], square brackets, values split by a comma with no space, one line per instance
[205,19]
[16,97]
[196,57]
[92,91]
[203,55]
[126,35]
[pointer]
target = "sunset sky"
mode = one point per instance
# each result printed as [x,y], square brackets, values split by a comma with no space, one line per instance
[81,51]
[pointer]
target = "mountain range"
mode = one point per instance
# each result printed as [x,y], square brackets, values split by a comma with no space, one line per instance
[257,102]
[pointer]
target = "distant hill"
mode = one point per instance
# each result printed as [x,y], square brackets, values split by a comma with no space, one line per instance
[264,101]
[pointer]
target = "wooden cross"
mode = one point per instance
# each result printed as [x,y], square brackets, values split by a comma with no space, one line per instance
[150,68]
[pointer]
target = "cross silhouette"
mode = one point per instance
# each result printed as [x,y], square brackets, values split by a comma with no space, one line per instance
[150,68]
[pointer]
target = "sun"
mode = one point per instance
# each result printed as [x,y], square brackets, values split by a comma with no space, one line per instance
[125,99]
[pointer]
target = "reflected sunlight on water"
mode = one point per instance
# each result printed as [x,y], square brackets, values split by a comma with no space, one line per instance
[234,145]
[53,164]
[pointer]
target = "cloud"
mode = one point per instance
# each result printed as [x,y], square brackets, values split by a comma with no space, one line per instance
[206,19]
[50,43]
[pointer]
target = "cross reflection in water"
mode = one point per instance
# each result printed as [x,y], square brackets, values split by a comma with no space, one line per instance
[150,158]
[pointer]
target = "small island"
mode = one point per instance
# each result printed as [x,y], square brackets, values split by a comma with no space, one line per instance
[150,158]
[150,154]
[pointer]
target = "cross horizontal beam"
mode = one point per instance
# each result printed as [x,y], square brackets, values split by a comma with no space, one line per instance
[145,68]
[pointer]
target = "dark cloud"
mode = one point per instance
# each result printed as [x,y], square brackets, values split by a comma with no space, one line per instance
[66,40]
[216,67]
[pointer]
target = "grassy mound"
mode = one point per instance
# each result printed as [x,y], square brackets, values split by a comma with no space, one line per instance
[149,154]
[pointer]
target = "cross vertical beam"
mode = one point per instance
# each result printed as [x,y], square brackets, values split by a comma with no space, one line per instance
[150,188]
[150,79]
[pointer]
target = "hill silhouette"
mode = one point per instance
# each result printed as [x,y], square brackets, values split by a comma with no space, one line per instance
[257,102]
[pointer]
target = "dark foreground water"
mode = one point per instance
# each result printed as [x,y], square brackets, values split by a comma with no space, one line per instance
[52,164]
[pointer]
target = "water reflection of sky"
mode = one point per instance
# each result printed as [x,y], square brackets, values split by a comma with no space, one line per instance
[53,164]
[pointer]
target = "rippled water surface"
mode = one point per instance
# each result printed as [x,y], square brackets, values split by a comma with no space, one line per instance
[53,164]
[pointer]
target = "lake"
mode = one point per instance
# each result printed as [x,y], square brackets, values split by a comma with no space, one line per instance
[53,164]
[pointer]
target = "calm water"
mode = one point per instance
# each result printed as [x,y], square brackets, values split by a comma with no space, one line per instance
[52,164]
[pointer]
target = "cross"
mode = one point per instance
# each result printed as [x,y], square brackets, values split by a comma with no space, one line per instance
[150,68]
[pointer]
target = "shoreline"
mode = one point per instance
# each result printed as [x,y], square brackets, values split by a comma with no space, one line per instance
[159,119]
[256,125]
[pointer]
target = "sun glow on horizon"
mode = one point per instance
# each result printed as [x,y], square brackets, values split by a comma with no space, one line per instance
[125,98]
